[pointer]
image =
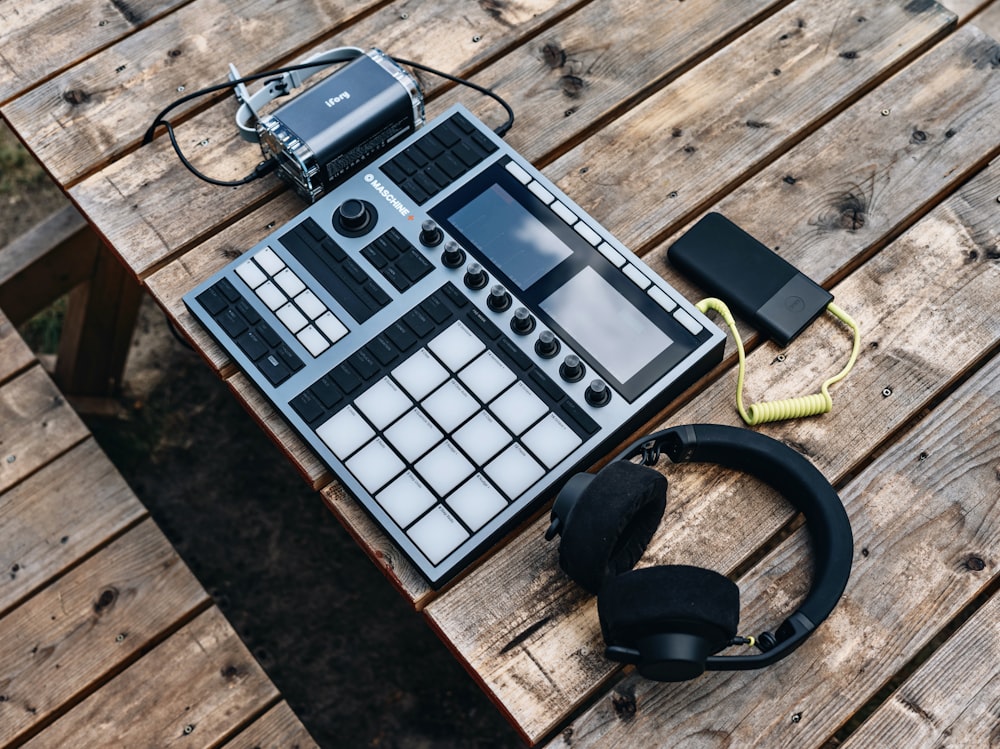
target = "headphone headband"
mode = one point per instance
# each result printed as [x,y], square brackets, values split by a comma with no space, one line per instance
[806,489]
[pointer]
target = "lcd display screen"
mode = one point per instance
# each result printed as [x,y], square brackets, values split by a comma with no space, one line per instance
[606,324]
[510,236]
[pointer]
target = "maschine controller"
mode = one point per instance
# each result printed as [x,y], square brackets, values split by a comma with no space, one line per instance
[454,337]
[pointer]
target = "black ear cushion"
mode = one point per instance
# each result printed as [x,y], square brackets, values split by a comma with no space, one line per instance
[612,522]
[676,598]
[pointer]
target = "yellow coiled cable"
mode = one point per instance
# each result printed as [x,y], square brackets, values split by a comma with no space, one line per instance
[789,408]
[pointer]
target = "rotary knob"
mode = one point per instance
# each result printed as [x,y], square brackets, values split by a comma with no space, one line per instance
[572,369]
[522,322]
[476,277]
[499,299]
[547,345]
[453,255]
[354,217]
[597,394]
[430,234]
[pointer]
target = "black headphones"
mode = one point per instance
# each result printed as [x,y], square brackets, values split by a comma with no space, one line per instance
[671,620]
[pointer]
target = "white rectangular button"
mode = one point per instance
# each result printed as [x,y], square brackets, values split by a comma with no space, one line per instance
[450,405]
[659,296]
[345,432]
[383,403]
[514,470]
[613,255]
[551,440]
[269,261]
[310,338]
[518,408]
[456,346]
[374,465]
[420,374]
[476,502]
[289,282]
[563,212]
[541,193]
[271,295]
[413,435]
[437,534]
[406,499]
[252,275]
[519,174]
[331,326]
[444,468]
[487,376]
[310,304]
[482,437]
[637,276]
[687,321]
[292,318]
[587,233]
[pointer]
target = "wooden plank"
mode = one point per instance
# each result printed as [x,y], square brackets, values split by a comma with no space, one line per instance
[989,20]
[59,515]
[36,425]
[46,262]
[92,113]
[14,352]
[194,690]
[278,728]
[948,699]
[967,8]
[72,30]
[925,520]
[638,49]
[537,646]
[87,624]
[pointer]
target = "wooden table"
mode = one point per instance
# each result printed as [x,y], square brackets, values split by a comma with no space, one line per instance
[855,138]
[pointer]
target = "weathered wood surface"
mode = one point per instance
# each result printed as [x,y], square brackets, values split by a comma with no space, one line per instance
[59,515]
[989,20]
[965,9]
[191,691]
[537,646]
[74,30]
[14,353]
[278,728]
[926,525]
[36,425]
[88,623]
[952,699]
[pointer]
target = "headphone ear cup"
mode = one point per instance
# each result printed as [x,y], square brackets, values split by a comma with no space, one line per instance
[611,523]
[674,615]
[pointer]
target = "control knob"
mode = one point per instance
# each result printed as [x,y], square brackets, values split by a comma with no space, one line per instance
[572,369]
[499,299]
[354,217]
[597,393]
[430,234]
[476,277]
[522,323]
[453,255]
[547,345]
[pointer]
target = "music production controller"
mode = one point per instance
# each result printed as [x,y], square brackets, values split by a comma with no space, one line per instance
[454,337]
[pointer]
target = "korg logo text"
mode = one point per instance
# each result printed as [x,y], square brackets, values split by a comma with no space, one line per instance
[334,100]
[384,192]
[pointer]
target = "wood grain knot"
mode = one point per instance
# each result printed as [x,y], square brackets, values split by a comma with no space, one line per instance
[231,672]
[553,55]
[849,54]
[493,8]
[106,600]
[76,96]
[572,85]
[975,564]
[918,136]
[624,704]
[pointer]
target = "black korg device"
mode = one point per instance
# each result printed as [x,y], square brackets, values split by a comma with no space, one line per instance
[454,337]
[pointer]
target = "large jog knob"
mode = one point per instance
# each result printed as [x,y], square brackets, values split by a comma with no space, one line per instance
[354,217]
[572,369]
[547,345]
[522,322]
[597,393]
[430,234]
[499,299]
[476,277]
[453,255]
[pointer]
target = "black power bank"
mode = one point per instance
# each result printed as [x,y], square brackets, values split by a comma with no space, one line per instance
[755,283]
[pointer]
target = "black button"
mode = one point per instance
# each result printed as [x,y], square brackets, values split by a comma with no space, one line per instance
[426,183]
[375,292]
[457,297]
[492,331]
[422,325]
[394,172]
[416,156]
[307,406]
[346,378]
[252,345]
[437,174]
[466,155]
[415,191]
[400,335]
[577,414]
[414,265]
[273,369]
[228,290]
[248,312]
[314,229]
[520,358]
[365,364]
[383,350]
[446,133]
[397,279]
[327,391]
[213,301]
[334,250]
[355,271]
[268,334]
[405,164]
[232,322]
[289,357]
[547,384]
[374,257]
[483,142]
[430,146]
[398,240]
[451,166]
[436,309]
[386,247]
[462,124]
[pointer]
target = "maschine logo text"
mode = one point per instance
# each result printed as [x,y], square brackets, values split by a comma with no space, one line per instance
[389,197]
